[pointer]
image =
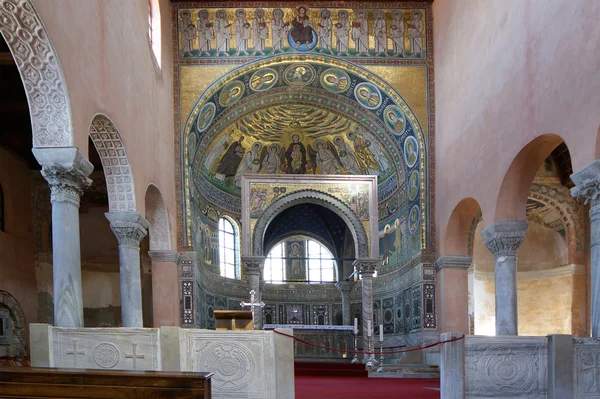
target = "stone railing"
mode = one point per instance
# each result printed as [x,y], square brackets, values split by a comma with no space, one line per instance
[552,367]
[249,364]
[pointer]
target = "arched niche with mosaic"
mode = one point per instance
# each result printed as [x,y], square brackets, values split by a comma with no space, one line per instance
[383,30]
[308,115]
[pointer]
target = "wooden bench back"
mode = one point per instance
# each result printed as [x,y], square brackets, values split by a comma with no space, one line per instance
[20,382]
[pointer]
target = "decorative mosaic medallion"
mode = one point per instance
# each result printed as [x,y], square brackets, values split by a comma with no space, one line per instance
[394,119]
[263,79]
[411,151]
[206,116]
[335,80]
[368,95]
[299,75]
[413,219]
[231,93]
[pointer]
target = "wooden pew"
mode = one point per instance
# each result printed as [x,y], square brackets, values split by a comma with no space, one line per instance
[33,383]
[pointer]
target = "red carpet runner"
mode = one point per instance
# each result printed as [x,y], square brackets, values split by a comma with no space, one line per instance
[365,388]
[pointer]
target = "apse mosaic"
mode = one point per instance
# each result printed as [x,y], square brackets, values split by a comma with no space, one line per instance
[342,32]
[291,89]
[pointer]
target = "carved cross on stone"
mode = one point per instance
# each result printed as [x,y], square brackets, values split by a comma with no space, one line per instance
[253,305]
[75,352]
[134,356]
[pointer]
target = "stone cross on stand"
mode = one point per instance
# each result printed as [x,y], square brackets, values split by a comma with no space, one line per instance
[253,305]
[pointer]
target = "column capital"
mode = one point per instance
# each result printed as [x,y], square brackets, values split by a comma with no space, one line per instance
[453,262]
[164,256]
[366,267]
[129,227]
[504,238]
[345,287]
[253,265]
[587,182]
[66,170]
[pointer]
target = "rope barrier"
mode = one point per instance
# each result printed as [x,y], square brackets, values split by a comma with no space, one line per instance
[369,353]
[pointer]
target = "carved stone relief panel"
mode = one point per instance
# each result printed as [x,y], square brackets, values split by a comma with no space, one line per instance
[243,363]
[105,348]
[514,367]
[586,363]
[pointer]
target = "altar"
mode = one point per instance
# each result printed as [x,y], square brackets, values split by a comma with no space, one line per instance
[335,337]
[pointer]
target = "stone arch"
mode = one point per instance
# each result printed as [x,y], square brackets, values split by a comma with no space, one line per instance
[318,198]
[157,217]
[117,170]
[571,214]
[514,191]
[18,347]
[39,67]
[458,236]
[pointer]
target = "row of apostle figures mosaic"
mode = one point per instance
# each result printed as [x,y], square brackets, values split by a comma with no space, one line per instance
[360,157]
[204,33]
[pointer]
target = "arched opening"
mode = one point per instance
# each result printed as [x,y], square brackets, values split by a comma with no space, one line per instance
[299,259]
[13,341]
[455,283]
[229,248]
[551,268]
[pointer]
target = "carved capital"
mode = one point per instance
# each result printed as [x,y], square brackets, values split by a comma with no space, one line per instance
[66,171]
[129,227]
[366,267]
[253,265]
[504,238]
[452,261]
[345,287]
[587,183]
[66,183]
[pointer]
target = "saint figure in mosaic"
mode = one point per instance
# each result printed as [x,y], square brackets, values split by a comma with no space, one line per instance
[415,34]
[360,33]
[324,31]
[261,32]
[342,32]
[397,33]
[188,32]
[303,31]
[279,30]
[204,28]
[223,32]
[380,33]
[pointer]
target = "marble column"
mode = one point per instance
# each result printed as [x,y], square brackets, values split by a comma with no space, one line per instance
[587,186]
[453,293]
[253,266]
[66,171]
[165,288]
[366,269]
[345,288]
[130,228]
[503,239]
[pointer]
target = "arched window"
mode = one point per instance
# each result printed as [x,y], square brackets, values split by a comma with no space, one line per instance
[1,208]
[303,260]
[154,30]
[228,249]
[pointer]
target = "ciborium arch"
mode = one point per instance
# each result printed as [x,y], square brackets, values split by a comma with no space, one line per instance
[351,197]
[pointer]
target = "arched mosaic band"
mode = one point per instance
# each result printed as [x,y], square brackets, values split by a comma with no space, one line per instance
[119,179]
[318,198]
[260,91]
[41,72]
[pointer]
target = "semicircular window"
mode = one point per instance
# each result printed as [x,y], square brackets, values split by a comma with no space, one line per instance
[300,260]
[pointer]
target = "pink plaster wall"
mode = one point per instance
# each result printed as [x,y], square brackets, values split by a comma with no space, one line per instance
[508,71]
[17,268]
[106,58]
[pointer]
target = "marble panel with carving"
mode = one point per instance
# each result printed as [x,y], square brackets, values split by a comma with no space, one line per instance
[244,363]
[506,367]
[586,367]
[106,348]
